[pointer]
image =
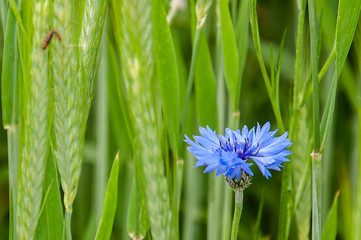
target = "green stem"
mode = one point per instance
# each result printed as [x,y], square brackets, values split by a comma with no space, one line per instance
[238,206]
[102,139]
[316,196]
[13,148]
[298,63]
[233,123]
[326,64]
[316,157]
[257,43]
[67,226]
[357,212]
[190,77]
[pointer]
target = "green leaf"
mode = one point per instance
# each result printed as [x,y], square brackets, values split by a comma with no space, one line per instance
[9,76]
[205,87]
[15,11]
[110,203]
[3,13]
[230,54]
[257,44]
[301,169]
[348,15]
[166,69]
[242,36]
[330,229]
[205,84]
[138,223]
[50,224]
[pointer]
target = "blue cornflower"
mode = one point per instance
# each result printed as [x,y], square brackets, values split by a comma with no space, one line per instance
[231,154]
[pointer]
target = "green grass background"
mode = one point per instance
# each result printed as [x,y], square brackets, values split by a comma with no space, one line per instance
[200,195]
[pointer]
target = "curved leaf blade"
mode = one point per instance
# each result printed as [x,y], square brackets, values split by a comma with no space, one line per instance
[110,203]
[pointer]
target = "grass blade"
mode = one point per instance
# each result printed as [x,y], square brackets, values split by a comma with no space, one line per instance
[242,37]
[348,15]
[330,228]
[230,54]
[257,43]
[9,76]
[51,219]
[3,13]
[205,83]
[167,70]
[138,222]
[316,157]
[110,203]
[10,105]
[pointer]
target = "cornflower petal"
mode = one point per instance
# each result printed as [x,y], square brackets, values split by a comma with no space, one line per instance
[231,154]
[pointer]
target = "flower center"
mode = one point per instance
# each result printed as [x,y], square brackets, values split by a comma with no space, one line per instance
[244,149]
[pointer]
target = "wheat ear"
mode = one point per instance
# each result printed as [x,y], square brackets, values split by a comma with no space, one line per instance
[35,147]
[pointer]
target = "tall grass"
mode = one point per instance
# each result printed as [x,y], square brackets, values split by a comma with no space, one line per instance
[164,68]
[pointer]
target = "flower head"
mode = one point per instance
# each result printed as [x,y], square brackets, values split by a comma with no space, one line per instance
[231,154]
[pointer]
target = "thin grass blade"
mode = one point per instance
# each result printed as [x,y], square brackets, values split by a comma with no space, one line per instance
[242,37]
[205,83]
[348,15]
[167,70]
[330,229]
[9,74]
[3,13]
[230,54]
[138,222]
[51,220]
[10,103]
[110,203]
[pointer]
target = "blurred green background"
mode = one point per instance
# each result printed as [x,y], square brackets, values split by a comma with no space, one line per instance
[105,127]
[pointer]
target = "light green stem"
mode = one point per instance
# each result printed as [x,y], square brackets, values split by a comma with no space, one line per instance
[257,43]
[316,157]
[190,77]
[13,148]
[238,206]
[316,196]
[67,226]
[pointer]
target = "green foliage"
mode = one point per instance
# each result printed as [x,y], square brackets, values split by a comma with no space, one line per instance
[230,54]
[166,70]
[110,203]
[330,229]
[145,55]
[9,83]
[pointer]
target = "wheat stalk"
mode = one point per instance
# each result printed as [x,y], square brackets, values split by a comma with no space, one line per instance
[36,125]
[68,104]
[75,65]
[90,38]
[138,70]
